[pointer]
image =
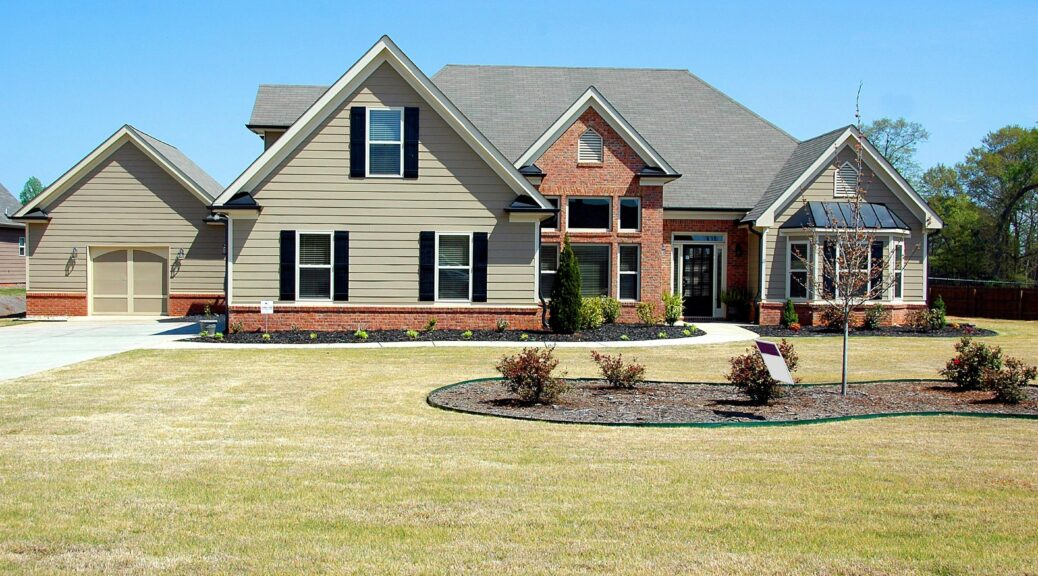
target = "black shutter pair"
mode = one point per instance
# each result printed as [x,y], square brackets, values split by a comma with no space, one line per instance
[340,266]
[427,266]
[358,143]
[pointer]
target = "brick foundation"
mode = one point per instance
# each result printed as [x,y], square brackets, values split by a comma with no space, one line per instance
[192,304]
[898,314]
[328,318]
[55,304]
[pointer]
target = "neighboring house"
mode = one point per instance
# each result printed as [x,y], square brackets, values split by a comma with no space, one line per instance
[12,242]
[126,231]
[390,198]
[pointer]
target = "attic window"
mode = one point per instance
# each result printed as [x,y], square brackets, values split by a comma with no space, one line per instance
[589,148]
[846,182]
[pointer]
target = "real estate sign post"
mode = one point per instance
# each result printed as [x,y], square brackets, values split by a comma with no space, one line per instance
[773,359]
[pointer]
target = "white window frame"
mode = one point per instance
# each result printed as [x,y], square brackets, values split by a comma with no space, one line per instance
[836,182]
[789,268]
[541,271]
[897,286]
[436,278]
[330,266]
[867,271]
[558,215]
[601,148]
[368,142]
[569,214]
[637,273]
[619,212]
[21,246]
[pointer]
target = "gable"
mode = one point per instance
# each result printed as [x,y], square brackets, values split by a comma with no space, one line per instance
[561,164]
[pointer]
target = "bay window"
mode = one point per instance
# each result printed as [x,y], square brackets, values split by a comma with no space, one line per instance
[797,265]
[898,260]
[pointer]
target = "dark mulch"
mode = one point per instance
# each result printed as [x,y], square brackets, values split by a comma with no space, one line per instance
[946,332]
[607,333]
[591,401]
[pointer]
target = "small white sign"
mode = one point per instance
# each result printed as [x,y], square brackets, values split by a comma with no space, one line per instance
[772,356]
[266,306]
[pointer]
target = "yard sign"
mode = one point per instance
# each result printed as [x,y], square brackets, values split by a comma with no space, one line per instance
[773,359]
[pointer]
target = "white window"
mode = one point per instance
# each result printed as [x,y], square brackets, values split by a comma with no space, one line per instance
[629,256]
[630,214]
[314,266]
[21,245]
[385,141]
[898,262]
[797,261]
[588,214]
[549,266]
[870,269]
[846,181]
[454,267]
[589,148]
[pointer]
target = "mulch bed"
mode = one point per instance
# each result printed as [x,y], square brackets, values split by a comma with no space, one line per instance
[946,332]
[592,401]
[607,333]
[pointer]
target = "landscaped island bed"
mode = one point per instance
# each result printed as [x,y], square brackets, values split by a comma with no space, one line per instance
[592,401]
[607,333]
[946,332]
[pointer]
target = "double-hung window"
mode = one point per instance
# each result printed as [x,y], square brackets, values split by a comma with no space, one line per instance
[588,214]
[385,141]
[630,214]
[549,266]
[898,261]
[21,245]
[314,266]
[629,271]
[864,274]
[799,251]
[454,267]
[593,262]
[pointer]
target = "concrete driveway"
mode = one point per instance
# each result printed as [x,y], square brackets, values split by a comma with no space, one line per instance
[34,347]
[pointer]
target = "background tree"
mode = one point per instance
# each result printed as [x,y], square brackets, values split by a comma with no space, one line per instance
[960,249]
[32,189]
[565,293]
[897,140]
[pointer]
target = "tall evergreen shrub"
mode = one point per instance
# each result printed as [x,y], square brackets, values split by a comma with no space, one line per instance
[565,293]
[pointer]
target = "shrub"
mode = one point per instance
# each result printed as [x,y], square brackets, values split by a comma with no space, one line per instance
[966,370]
[1008,381]
[874,316]
[625,337]
[619,374]
[591,317]
[795,326]
[938,314]
[430,325]
[661,335]
[266,336]
[524,337]
[919,319]
[647,313]
[750,374]
[529,375]
[203,334]
[501,325]
[789,314]
[610,309]
[360,334]
[466,335]
[686,332]
[412,334]
[313,336]
[237,327]
[672,307]
[831,317]
[218,336]
[566,301]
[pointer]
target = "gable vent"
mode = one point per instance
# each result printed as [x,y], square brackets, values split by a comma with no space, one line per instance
[846,180]
[589,147]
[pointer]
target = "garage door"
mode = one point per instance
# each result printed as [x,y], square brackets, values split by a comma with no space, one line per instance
[129,280]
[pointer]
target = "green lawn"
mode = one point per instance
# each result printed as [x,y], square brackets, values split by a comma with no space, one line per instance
[330,461]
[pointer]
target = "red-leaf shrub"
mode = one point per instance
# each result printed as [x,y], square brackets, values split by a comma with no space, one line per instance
[750,375]
[1008,381]
[967,368]
[530,375]
[618,373]
[794,326]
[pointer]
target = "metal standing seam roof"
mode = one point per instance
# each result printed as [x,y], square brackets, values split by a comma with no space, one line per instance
[815,214]
[8,206]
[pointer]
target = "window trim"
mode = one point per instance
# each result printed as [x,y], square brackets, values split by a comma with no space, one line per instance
[330,266]
[836,181]
[569,214]
[636,273]
[437,268]
[867,270]
[619,214]
[368,142]
[789,269]
[897,286]
[541,272]
[21,246]
[601,148]
[558,218]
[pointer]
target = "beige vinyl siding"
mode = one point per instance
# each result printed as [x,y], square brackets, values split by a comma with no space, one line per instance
[12,266]
[821,189]
[455,192]
[126,200]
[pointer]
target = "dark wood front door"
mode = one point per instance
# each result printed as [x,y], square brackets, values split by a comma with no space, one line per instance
[698,280]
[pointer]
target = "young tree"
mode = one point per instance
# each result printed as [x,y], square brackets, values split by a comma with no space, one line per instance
[897,141]
[565,293]
[32,189]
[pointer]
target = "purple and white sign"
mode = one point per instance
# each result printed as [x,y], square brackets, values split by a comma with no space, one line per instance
[773,359]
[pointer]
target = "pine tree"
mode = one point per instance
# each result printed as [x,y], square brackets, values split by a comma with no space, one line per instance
[789,314]
[565,293]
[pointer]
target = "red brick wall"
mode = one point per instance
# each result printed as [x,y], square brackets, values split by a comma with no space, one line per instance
[736,252]
[191,304]
[898,314]
[351,318]
[55,304]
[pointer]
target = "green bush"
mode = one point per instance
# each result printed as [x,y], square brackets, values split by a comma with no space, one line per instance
[938,314]
[524,337]
[412,334]
[501,325]
[789,314]
[591,317]
[466,335]
[529,375]
[266,336]
[750,374]
[218,336]
[661,335]
[360,334]
[610,309]
[565,305]
[625,337]
[672,307]
[874,316]
[973,359]
[1008,381]
[647,313]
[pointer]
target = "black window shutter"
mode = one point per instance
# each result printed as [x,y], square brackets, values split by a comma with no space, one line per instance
[341,266]
[426,266]
[358,152]
[479,267]
[410,142]
[288,265]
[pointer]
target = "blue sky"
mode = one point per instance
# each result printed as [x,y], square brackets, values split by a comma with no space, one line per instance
[187,72]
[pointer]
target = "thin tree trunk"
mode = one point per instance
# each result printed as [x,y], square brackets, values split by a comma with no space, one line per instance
[846,330]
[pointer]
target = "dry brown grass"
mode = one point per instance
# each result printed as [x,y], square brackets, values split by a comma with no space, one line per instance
[320,460]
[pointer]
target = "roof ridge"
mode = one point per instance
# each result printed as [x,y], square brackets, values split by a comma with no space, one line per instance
[499,66]
[277,85]
[824,134]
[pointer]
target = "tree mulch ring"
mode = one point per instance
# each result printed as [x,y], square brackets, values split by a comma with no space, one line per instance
[946,332]
[594,402]
[607,333]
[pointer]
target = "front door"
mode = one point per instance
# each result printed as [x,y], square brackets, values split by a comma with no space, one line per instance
[698,280]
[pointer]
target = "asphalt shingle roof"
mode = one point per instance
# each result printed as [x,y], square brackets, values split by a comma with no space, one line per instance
[183,163]
[8,206]
[282,104]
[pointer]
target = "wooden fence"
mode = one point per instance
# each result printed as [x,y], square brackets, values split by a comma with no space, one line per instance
[987,301]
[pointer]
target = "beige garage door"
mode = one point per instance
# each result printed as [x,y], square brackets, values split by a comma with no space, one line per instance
[129,280]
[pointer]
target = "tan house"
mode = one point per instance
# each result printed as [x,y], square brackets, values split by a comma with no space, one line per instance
[12,242]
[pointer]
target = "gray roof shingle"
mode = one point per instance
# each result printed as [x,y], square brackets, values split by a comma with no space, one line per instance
[8,206]
[183,163]
[281,104]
